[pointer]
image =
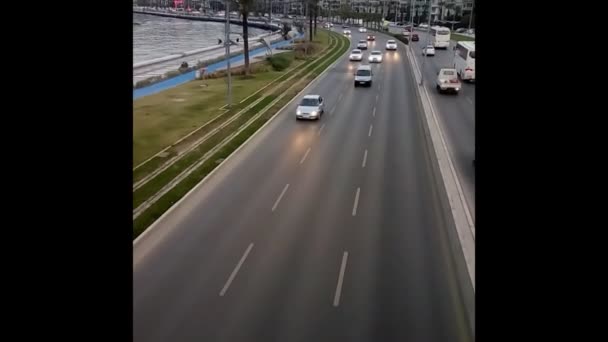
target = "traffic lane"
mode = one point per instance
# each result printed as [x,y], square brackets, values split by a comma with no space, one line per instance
[398,285]
[444,59]
[295,271]
[457,116]
[460,130]
[214,224]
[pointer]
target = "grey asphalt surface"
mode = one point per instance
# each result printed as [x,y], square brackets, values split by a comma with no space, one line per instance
[457,115]
[398,282]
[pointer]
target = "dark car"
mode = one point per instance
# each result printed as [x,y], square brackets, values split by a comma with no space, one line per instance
[415,37]
[344,26]
[371,37]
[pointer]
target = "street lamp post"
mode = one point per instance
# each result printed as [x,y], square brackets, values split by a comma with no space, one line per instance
[227,44]
[427,44]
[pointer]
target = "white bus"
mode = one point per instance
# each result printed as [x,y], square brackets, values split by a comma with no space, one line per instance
[441,37]
[464,60]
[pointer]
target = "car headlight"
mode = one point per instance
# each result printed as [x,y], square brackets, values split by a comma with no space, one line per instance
[313,113]
[298,112]
[444,81]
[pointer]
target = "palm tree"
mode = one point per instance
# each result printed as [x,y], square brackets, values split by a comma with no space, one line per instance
[441,6]
[316,13]
[450,6]
[244,7]
[309,10]
[457,13]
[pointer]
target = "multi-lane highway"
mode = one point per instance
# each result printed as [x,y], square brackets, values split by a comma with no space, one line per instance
[313,231]
[457,114]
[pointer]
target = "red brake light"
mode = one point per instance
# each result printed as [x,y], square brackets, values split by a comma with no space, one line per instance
[468,69]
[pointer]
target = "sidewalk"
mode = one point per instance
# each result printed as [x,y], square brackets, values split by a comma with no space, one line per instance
[187,77]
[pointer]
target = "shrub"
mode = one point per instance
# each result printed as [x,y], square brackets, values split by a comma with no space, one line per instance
[401,38]
[305,49]
[172,73]
[147,82]
[280,62]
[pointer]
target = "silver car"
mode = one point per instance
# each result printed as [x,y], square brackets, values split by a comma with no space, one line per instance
[311,107]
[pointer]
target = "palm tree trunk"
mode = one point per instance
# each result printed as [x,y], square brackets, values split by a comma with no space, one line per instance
[315,21]
[309,10]
[245,41]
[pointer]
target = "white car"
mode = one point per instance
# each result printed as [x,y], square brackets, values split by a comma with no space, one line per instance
[423,26]
[391,45]
[375,57]
[447,80]
[347,32]
[356,55]
[428,50]
[362,29]
[362,44]
[311,107]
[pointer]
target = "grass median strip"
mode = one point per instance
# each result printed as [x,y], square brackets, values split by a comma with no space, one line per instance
[158,182]
[458,37]
[164,202]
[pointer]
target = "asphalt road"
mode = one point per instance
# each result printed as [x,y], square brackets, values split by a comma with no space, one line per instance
[314,231]
[457,115]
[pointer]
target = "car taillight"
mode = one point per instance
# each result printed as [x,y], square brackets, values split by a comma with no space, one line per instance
[454,81]
[468,69]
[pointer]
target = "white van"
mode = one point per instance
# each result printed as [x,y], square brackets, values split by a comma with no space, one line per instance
[363,75]
[464,60]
